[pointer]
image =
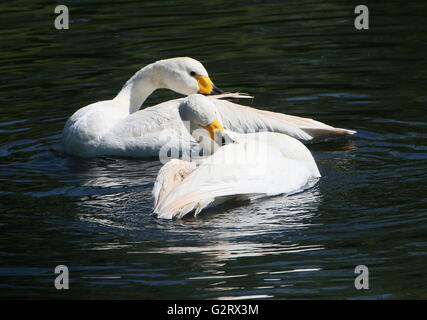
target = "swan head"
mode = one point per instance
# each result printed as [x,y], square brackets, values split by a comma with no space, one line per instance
[205,124]
[183,75]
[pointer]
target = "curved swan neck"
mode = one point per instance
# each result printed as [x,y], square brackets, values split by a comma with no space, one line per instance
[136,90]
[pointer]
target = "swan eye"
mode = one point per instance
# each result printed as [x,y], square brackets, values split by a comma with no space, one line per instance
[192,73]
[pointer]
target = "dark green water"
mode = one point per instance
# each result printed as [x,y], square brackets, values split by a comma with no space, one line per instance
[299,57]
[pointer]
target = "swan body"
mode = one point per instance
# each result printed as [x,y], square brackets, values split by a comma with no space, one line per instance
[96,129]
[252,165]
[118,128]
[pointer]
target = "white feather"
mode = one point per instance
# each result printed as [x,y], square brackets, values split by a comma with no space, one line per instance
[117,127]
[258,165]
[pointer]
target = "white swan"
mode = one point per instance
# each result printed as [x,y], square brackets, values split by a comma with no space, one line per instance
[250,166]
[116,127]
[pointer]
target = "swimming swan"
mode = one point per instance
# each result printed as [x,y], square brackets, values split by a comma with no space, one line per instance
[246,167]
[118,128]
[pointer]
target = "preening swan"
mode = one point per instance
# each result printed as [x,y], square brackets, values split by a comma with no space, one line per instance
[118,128]
[246,167]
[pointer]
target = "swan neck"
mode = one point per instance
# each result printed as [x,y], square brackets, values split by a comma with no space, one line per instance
[136,90]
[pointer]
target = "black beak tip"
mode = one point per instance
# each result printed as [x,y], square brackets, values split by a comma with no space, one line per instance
[215,90]
[223,142]
[226,139]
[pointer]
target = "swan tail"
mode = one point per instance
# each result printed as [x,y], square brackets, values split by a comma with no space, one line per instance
[323,133]
[247,119]
[191,202]
[240,95]
[314,128]
[200,200]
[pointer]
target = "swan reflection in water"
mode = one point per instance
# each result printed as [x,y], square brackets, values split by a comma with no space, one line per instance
[230,231]
[245,229]
[205,244]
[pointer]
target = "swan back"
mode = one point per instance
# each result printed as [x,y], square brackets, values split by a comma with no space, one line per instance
[255,165]
[246,170]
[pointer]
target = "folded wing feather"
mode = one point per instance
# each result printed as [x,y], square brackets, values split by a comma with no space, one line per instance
[220,178]
[241,118]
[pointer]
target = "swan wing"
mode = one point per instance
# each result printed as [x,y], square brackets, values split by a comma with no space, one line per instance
[147,132]
[244,119]
[241,171]
[169,176]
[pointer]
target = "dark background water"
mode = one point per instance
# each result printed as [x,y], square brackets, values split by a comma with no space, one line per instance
[303,58]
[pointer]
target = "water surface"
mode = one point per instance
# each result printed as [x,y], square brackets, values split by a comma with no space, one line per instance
[298,57]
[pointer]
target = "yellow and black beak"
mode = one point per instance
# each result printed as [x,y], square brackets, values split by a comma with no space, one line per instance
[206,86]
[213,128]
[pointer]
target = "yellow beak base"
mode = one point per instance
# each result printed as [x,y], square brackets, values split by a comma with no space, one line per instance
[206,85]
[213,127]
